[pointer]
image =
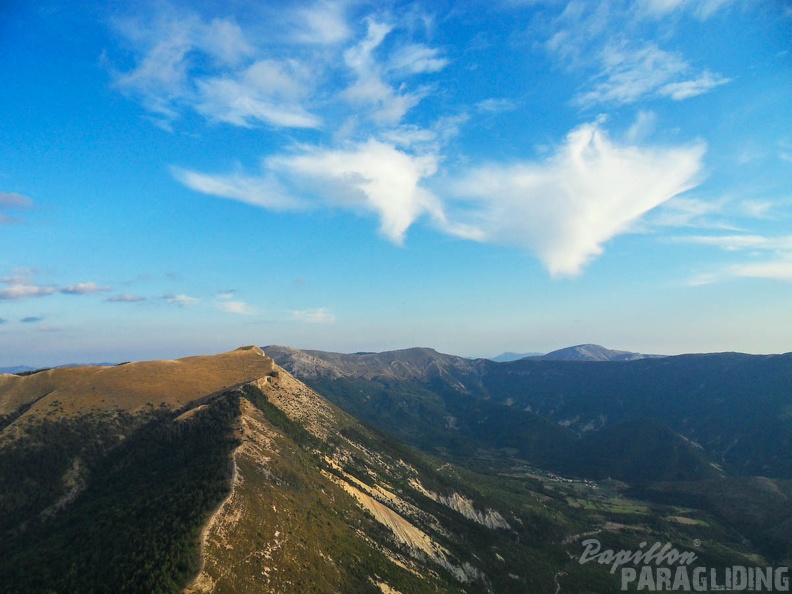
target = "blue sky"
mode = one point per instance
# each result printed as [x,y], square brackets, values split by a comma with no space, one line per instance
[181,178]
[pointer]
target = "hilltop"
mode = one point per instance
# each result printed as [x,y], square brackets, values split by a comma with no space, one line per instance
[581,352]
[592,352]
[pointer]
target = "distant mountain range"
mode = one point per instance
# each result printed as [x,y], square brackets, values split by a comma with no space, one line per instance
[581,352]
[17,369]
[735,408]
[510,356]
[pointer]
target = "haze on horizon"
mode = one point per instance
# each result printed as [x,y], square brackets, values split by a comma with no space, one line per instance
[180,178]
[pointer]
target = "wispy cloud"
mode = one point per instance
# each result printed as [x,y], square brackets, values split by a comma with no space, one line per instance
[319,315]
[740,242]
[758,209]
[263,190]
[181,300]
[31,320]
[630,72]
[84,289]
[16,290]
[10,201]
[785,151]
[254,74]
[606,40]
[701,9]
[168,44]
[777,269]
[13,200]
[268,92]
[186,62]
[493,105]
[566,207]
[780,269]
[125,299]
[772,256]
[686,211]
[319,23]
[224,301]
[236,307]
[417,59]
[382,102]
[21,285]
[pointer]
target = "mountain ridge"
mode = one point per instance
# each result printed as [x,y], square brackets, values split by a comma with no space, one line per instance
[226,473]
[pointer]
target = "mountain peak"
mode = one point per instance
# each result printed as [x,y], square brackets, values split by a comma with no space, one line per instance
[591,352]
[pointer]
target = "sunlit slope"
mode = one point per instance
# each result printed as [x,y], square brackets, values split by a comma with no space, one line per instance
[321,504]
[132,386]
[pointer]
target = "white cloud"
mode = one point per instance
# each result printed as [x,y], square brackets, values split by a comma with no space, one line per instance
[321,23]
[264,190]
[267,92]
[493,105]
[779,269]
[125,298]
[235,307]
[566,207]
[417,59]
[563,209]
[609,39]
[185,61]
[84,289]
[181,300]
[739,242]
[374,176]
[702,9]
[319,315]
[776,270]
[160,77]
[386,105]
[690,212]
[630,72]
[22,285]
[757,209]
[282,68]
[643,126]
[705,82]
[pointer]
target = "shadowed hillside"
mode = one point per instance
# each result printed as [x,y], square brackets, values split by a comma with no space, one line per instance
[732,409]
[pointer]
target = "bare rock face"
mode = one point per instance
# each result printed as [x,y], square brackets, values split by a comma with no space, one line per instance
[258,538]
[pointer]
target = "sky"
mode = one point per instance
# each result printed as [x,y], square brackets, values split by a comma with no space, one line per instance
[182,178]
